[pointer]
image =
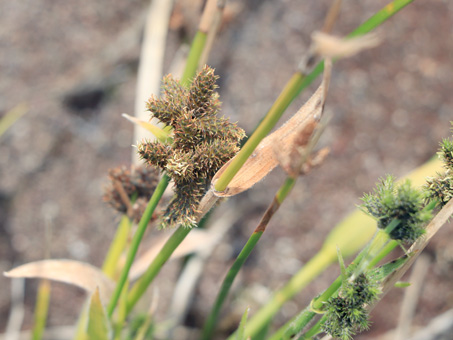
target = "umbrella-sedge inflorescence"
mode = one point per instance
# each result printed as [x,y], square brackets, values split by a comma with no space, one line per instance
[201,142]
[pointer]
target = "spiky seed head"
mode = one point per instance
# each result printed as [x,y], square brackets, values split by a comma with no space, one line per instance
[139,182]
[202,142]
[404,203]
[440,188]
[446,153]
[346,314]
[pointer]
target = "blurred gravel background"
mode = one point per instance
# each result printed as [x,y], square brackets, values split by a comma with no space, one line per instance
[74,65]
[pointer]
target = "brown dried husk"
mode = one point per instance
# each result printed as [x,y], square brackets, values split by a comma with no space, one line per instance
[265,157]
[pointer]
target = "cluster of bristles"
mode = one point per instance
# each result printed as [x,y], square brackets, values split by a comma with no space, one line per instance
[201,142]
[409,206]
[398,202]
[440,187]
[129,190]
[411,209]
[346,314]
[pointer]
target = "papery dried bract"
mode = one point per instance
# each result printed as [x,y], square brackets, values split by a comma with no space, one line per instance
[329,46]
[76,273]
[264,159]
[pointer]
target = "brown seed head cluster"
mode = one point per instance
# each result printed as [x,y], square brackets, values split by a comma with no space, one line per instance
[129,190]
[201,142]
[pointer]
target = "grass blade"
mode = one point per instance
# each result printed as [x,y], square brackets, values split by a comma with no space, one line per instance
[98,324]
[226,285]
[41,309]
[241,329]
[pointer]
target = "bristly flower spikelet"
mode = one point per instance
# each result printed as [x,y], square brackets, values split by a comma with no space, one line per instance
[440,188]
[397,202]
[129,190]
[201,142]
[446,153]
[346,313]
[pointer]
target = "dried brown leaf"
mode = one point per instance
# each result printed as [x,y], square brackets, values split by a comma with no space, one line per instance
[76,273]
[264,159]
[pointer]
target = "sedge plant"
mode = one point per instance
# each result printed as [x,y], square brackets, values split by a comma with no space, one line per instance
[194,145]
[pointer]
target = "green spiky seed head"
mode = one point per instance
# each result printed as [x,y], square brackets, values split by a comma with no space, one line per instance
[446,153]
[439,188]
[397,202]
[346,313]
[201,142]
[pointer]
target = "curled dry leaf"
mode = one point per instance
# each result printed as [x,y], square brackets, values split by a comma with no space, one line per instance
[328,46]
[299,160]
[264,159]
[76,273]
[195,240]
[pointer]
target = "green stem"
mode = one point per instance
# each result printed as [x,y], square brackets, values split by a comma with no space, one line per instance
[288,330]
[141,285]
[313,330]
[41,309]
[383,253]
[312,269]
[374,248]
[196,49]
[285,189]
[384,14]
[226,285]
[152,204]
[280,196]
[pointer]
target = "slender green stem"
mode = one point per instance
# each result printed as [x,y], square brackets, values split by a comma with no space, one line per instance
[41,309]
[141,285]
[287,331]
[383,253]
[226,285]
[280,196]
[374,248]
[196,49]
[152,204]
[313,330]
[312,269]
[384,14]
[285,189]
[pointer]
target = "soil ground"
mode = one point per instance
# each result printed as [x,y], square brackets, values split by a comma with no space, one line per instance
[390,107]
